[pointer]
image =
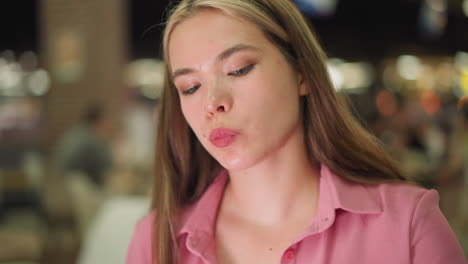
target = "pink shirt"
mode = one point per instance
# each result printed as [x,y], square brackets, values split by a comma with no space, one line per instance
[355,223]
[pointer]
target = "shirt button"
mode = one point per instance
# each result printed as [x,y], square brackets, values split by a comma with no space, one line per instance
[289,255]
[194,241]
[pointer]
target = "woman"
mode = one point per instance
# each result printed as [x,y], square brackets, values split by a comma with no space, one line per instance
[260,161]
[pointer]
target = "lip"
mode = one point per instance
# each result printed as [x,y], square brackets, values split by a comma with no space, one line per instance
[222,137]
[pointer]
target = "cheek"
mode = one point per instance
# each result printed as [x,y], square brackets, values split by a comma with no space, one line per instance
[268,96]
[192,115]
[281,101]
[187,111]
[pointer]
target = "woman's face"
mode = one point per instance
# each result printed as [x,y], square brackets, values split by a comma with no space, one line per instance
[237,91]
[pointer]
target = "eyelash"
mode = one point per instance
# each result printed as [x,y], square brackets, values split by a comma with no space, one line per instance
[242,71]
[237,73]
[191,90]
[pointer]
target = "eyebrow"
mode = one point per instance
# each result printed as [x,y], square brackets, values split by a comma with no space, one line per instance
[222,56]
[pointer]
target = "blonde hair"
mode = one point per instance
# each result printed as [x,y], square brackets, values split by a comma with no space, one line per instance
[334,138]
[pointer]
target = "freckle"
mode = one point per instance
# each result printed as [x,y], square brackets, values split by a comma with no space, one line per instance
[204,135]
[271,249]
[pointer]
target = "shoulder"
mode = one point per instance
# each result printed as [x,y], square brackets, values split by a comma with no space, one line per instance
[404,196]
[411,209]
[386,198]
[417,212]
[405,202]
[141,245]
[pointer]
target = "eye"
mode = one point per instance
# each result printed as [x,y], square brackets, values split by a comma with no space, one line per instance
[242,71]
[191,90]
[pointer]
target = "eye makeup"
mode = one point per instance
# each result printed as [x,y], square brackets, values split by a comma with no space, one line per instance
[237,66]
[242,71]
[191,90]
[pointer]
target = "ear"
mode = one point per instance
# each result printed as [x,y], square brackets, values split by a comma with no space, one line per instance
[303,89]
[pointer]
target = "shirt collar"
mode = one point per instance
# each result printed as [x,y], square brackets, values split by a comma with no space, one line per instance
[199,220]
[347,195]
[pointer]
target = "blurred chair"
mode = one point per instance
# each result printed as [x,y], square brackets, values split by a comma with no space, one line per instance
[109,236]
[85,198]
[62,242]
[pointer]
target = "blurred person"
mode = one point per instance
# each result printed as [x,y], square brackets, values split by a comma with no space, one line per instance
[259,160]
[450,175]
[453,178]
[85,147]
[462,220]
[83,160]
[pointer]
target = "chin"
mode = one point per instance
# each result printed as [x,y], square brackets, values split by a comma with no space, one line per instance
[235,163]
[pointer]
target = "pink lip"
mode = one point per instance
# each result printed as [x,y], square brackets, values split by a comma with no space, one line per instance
[222,137]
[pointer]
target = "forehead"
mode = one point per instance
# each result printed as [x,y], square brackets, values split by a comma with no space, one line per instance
[208,33]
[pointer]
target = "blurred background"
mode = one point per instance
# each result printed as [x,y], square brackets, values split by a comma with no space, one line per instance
[79,89]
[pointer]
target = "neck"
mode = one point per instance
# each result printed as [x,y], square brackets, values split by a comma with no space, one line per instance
[283,187]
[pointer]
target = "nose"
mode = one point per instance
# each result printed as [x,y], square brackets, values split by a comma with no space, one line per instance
[219,100]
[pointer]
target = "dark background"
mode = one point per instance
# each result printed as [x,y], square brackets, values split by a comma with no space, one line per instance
[359,29]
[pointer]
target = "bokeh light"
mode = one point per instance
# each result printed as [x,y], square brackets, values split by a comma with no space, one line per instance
[409,67]
[465,7]
[353,77]
[430,102]
[38,82]
[386,103]
[147,75]
[10,79]
[437,5]
[464,81]
[317,7]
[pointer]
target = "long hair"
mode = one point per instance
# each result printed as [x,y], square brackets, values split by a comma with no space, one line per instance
[333,137]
